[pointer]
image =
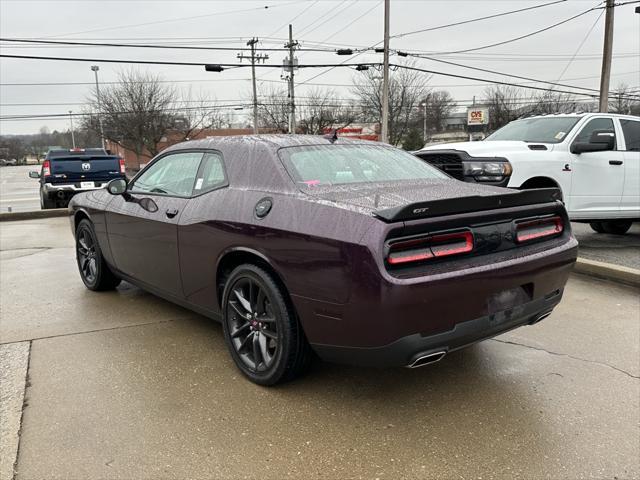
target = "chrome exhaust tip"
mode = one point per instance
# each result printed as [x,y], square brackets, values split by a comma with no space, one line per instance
[427,359]
[539,318]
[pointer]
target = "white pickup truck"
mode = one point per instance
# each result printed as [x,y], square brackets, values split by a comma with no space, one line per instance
[594,158]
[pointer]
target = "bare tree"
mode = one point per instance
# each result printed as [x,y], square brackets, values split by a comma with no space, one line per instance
[322,110]
[273,109]
[195,113]
[406,88]
[439,105]
[136,112]
[505,104]
[622,100]
[552,102]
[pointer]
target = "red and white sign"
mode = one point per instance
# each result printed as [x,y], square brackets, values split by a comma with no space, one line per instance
[477,116]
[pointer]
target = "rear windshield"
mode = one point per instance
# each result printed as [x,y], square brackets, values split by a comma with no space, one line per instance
[536,130]
[348,164]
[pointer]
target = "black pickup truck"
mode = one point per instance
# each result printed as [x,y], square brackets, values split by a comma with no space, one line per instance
[67,172]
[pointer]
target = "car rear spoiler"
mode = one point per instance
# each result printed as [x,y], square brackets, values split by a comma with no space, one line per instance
[436,208]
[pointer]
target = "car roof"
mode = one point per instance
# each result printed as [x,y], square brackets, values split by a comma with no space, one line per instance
[274,141]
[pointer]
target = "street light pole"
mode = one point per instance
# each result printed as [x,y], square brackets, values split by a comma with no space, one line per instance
[95,69]
[424,126]
[384,133]
[73,137]
[605,76]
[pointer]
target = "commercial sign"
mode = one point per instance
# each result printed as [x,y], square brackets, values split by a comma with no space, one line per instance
[477,116]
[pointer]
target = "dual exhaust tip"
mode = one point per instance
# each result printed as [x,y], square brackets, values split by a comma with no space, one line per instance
[434,357]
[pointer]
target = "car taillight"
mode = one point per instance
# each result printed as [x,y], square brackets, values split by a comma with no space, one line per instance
[46,168]
[425,248]
[539,228]
[122,166]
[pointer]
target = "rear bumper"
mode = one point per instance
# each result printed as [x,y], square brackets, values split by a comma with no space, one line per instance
[404,351]
[71,187]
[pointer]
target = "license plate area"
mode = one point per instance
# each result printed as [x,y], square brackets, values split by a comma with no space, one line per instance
[502,306]
[87,185]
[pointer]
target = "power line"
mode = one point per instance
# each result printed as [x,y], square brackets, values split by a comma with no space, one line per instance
[171,20]
[464,22]
[190,64]
[502,73]
[133,45]
[515,39]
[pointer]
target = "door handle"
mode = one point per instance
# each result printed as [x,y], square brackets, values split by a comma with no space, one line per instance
[172,212]
[615,162]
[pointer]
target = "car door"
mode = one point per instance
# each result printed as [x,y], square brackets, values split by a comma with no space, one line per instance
[597,178]
[142,224]
[630,203]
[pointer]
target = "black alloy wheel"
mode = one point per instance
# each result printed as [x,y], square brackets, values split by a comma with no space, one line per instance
[94,271]
[261,329]
[253,327]
[597,227]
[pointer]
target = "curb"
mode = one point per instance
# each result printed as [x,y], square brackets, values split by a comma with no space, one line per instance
[14,216]
[608,271]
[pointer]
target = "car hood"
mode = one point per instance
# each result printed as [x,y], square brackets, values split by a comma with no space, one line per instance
[487,148]
[378,196]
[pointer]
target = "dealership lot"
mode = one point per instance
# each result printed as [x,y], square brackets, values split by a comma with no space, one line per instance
[18,192]
[125,385]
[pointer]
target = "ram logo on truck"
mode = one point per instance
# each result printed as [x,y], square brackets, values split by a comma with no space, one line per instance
[86,166]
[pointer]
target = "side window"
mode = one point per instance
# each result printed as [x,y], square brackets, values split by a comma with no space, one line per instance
[211,174]
[631,132]
[591,126]
[173,175]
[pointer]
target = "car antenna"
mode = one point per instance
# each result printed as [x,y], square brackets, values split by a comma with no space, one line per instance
[333,136]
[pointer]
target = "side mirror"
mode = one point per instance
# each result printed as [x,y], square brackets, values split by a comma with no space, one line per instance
[34,174]
[600,141]
[117,186]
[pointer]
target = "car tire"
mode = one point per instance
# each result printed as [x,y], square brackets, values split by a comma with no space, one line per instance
[94,271]
[46,203]
[261,329]
[617,227]
[597,227]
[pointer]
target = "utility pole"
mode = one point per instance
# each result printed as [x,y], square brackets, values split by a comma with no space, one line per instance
[606,57]
[252,43]
[424,126]
[291,66]
[95,69]
[384,134]
[73,137]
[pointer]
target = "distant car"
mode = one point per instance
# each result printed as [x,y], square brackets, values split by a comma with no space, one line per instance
[355,250]
[594,158]
[8,163]
[67,172]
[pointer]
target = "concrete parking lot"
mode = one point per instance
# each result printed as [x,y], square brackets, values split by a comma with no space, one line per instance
[18,192]
[123,385]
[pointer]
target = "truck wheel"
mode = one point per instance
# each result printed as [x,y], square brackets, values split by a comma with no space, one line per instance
[597,227]
[46,203]
[617,227]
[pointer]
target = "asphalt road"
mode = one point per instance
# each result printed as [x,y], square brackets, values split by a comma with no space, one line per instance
[123,385]
[18,192]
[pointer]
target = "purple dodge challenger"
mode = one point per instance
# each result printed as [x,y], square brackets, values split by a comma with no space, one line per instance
[354,250]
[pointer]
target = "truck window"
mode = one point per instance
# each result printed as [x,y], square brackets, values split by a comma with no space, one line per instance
[592,126]
[631,132]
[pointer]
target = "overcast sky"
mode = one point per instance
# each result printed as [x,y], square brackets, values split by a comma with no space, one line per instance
[346,23]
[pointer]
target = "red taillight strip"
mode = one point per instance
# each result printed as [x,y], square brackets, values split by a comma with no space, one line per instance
[123,168]
[446,249]
[409,257]
[46,168]
[545,227]
[437,246]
